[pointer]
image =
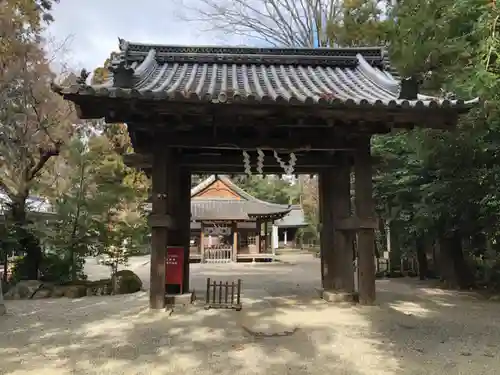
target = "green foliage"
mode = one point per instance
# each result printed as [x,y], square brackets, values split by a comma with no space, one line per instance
[34,121]
[310,203]
[53,268]
[119,219]
[443,42]
[270,189]
[432,184]
[439,184]
[56,269]
[361,23]
[99,203]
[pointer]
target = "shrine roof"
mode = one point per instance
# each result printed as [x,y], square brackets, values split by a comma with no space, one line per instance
[245,207]
[228,209]
[294,219]
[330,76]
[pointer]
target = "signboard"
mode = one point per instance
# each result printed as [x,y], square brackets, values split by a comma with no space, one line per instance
[174,266]
[217,231]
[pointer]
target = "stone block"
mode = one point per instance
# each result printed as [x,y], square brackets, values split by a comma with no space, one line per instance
[337,296]
[179,300]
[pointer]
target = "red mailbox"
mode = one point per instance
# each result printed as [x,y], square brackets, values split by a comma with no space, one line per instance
[174,267]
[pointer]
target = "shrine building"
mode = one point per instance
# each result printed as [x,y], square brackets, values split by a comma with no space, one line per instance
[230,225]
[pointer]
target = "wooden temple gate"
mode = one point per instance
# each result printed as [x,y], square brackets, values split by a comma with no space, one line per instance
[235,110]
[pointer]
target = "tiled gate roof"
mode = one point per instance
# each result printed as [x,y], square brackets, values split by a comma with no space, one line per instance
[337,76]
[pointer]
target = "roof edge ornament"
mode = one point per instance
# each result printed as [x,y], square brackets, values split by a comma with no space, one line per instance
[122,44]
[384,81]
[148,65]
[409,88]
[82,79]
[123,74]
[386,64]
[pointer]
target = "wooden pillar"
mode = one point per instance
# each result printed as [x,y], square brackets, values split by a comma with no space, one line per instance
[179,208]
[174,204]
[202,244]
[326,185]
[341,206]
[235,241]
[365,212]
[320,228]
[266,242]
[183,216]
[274,239]
[160,221]
[257,237]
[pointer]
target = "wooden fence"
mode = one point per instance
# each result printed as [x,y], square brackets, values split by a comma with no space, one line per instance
[220,295]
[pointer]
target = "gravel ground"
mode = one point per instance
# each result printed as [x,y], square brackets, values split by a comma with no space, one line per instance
[414,329]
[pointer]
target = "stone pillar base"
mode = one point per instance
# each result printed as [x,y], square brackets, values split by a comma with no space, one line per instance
[179,300]
[337,296]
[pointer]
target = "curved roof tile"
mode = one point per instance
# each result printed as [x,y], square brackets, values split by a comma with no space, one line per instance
[330,76]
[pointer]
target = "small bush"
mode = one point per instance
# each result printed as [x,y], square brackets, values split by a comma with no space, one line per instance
[19,270]
[53,268]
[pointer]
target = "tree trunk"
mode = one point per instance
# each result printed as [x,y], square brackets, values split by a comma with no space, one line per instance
[5,264]
[74,231]
[27,240]
[454,269]
[72,255]
[421,257]
[393,246]
[72,262]
[383,237]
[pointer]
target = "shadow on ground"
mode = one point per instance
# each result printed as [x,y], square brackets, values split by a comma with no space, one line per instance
[414,329]
[441,331]
[94,336]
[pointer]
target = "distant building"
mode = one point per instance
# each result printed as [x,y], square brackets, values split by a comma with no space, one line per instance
[230,225]
[35,205]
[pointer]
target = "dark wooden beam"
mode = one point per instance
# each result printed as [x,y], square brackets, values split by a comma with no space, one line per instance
[306,139]
[221,160]
[173,114]
[241,170]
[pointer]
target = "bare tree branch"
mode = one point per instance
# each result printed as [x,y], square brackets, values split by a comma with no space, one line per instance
[290,23]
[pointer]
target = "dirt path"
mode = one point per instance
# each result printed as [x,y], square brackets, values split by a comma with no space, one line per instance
[414,330]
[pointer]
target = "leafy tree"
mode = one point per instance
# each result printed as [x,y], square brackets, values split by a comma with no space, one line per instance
[98,203]
[433,186]
[71,236]
[120,217]
[269,188]
[34,121]
[308,188]
[360,23]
